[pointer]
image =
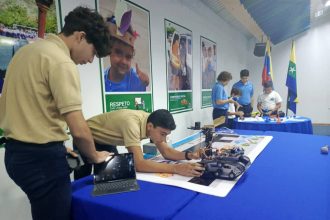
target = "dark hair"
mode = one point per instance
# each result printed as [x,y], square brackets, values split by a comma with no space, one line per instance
[268,84]
[162,118]
[235,91]
[224,76]
[244,72]
[93,24]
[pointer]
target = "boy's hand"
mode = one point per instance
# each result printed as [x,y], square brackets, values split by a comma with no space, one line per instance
[189,169]
[143,76]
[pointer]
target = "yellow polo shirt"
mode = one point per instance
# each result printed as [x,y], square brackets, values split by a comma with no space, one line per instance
[42,83]
[123,127]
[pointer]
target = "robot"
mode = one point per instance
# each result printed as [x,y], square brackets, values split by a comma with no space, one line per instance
[227,163]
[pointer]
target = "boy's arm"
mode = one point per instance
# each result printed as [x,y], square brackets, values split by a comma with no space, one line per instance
[259,107]
[82,136]
[171,154]
[149,166]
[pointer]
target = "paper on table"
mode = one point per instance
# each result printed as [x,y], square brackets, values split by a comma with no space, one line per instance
[251,119]
[253,146]
[295,119]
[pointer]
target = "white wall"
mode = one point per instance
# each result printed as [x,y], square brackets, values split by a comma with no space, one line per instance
[313,71]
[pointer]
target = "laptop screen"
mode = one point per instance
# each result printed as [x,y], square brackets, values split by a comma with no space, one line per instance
[118,167]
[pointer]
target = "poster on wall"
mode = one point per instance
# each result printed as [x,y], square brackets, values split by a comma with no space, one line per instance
[19,26]
[126,72]
[208,70]
[179,67]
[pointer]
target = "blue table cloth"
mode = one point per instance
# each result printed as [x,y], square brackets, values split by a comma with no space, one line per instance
[152,201]
[301,125]
[290,180]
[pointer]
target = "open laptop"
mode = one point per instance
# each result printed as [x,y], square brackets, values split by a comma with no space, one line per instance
[115,175]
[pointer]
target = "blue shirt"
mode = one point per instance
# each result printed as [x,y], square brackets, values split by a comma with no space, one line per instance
[131,82]
[219,93]
[246,92]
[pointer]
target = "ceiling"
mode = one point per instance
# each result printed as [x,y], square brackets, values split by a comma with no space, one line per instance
[277,20]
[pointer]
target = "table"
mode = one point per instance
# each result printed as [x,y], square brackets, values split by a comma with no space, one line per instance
[295,125]
[152,201]
[289,180]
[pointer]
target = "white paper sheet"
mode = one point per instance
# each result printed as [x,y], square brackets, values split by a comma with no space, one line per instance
[251,119]
[253,146]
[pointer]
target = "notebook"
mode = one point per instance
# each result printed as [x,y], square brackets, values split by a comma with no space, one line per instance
[116,175]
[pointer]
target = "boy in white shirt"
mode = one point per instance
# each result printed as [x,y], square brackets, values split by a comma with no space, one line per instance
[232,109]
[269,102]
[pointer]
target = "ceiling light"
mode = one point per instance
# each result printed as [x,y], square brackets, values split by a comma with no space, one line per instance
[327,4]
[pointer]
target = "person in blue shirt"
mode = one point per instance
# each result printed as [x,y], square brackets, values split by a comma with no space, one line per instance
[220,100]
[246,88]
[120,76]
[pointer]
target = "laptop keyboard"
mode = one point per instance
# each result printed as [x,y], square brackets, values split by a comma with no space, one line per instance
[115,187]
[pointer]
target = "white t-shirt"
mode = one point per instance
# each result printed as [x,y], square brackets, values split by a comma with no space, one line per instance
[268,101]
[231,108]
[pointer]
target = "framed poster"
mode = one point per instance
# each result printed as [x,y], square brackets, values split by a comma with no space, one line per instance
[208,70]
[179,67]
[19,26]
[126,72]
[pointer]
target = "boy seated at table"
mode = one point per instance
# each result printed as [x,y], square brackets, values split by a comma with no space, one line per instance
[269,102]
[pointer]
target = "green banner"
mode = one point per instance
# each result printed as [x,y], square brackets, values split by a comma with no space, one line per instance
[128,101]
[180,101]
[206,98]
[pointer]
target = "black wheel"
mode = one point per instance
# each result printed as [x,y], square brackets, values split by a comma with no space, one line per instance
[244,160]
[217,173]
[231,175]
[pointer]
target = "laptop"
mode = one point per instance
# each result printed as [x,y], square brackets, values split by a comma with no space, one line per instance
[115,175]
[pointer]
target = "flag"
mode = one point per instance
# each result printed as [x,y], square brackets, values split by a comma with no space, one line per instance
[291,82]
[267,72]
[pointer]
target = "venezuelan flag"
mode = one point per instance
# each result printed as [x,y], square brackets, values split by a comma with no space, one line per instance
[267,72]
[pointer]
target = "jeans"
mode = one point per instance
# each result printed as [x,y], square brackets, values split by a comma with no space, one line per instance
[230,123]
[86,169]
[247,109]
[42,172]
